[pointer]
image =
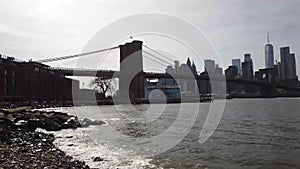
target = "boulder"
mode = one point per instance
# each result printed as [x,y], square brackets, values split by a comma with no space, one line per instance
[5,123]
[52,125]
[88,122]
[98,159]
[33,124]
[60,117]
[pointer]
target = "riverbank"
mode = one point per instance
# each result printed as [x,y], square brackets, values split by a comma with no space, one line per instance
[23,147]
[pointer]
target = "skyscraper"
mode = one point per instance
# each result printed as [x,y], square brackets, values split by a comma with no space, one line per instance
[269,54]
[209,66]
[284,53]
[288,64]
[188,62]
[291,67]
[218,70]
[231,71]
[194,68]
[247,66]
[176,62]
[247,57]
[237,63]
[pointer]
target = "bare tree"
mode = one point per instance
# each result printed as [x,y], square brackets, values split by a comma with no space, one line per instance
[103,85]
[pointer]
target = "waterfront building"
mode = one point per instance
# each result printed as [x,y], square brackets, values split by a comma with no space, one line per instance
[32,81]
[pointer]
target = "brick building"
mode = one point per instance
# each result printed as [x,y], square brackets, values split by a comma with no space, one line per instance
[32,81]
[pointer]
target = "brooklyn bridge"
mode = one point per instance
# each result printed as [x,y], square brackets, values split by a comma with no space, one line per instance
[132,78]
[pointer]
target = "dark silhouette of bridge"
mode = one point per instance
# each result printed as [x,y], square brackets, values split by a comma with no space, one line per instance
[132,77]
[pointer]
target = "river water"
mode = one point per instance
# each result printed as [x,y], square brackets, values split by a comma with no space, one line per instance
[252,133]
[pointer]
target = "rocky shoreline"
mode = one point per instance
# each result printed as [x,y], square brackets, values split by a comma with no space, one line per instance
[23,147]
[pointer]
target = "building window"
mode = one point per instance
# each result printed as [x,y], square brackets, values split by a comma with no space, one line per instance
[13,73]
[36,69]
[5,72]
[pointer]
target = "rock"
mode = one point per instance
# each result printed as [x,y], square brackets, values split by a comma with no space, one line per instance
[21,123]
[2,115]
[87,122]
[98,159]
[51,125]
[33,124]
[72,122]
[31,120]
[60,117]
[5,123]
[5,127]
[25,151]
[10,117]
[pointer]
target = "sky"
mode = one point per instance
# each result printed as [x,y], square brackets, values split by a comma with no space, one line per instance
[35,29]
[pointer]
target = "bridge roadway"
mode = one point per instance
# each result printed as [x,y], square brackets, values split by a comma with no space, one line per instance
[151,75]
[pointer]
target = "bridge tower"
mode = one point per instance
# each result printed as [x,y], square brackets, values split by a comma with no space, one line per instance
[269,76]
[131,81]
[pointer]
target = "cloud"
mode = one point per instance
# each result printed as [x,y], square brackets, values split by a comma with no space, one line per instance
[38,29]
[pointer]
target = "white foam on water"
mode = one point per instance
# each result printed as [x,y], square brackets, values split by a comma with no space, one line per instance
[56,109]
[77,144]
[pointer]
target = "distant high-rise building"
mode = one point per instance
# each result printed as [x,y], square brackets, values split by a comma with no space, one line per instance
[288,64]
[278,70]
[231,71]
[284,54]
[209,66]
[186,85]
[176,62]
[188,62]
[237,63]
[247,66]
[291,67]
[247,57]
[194,68]
[218,70]
[169,82]
[269,54]
[170,70]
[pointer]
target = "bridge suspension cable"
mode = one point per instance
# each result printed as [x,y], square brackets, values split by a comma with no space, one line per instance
[75,56]
[154,61]
[158,53]
[168,63]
